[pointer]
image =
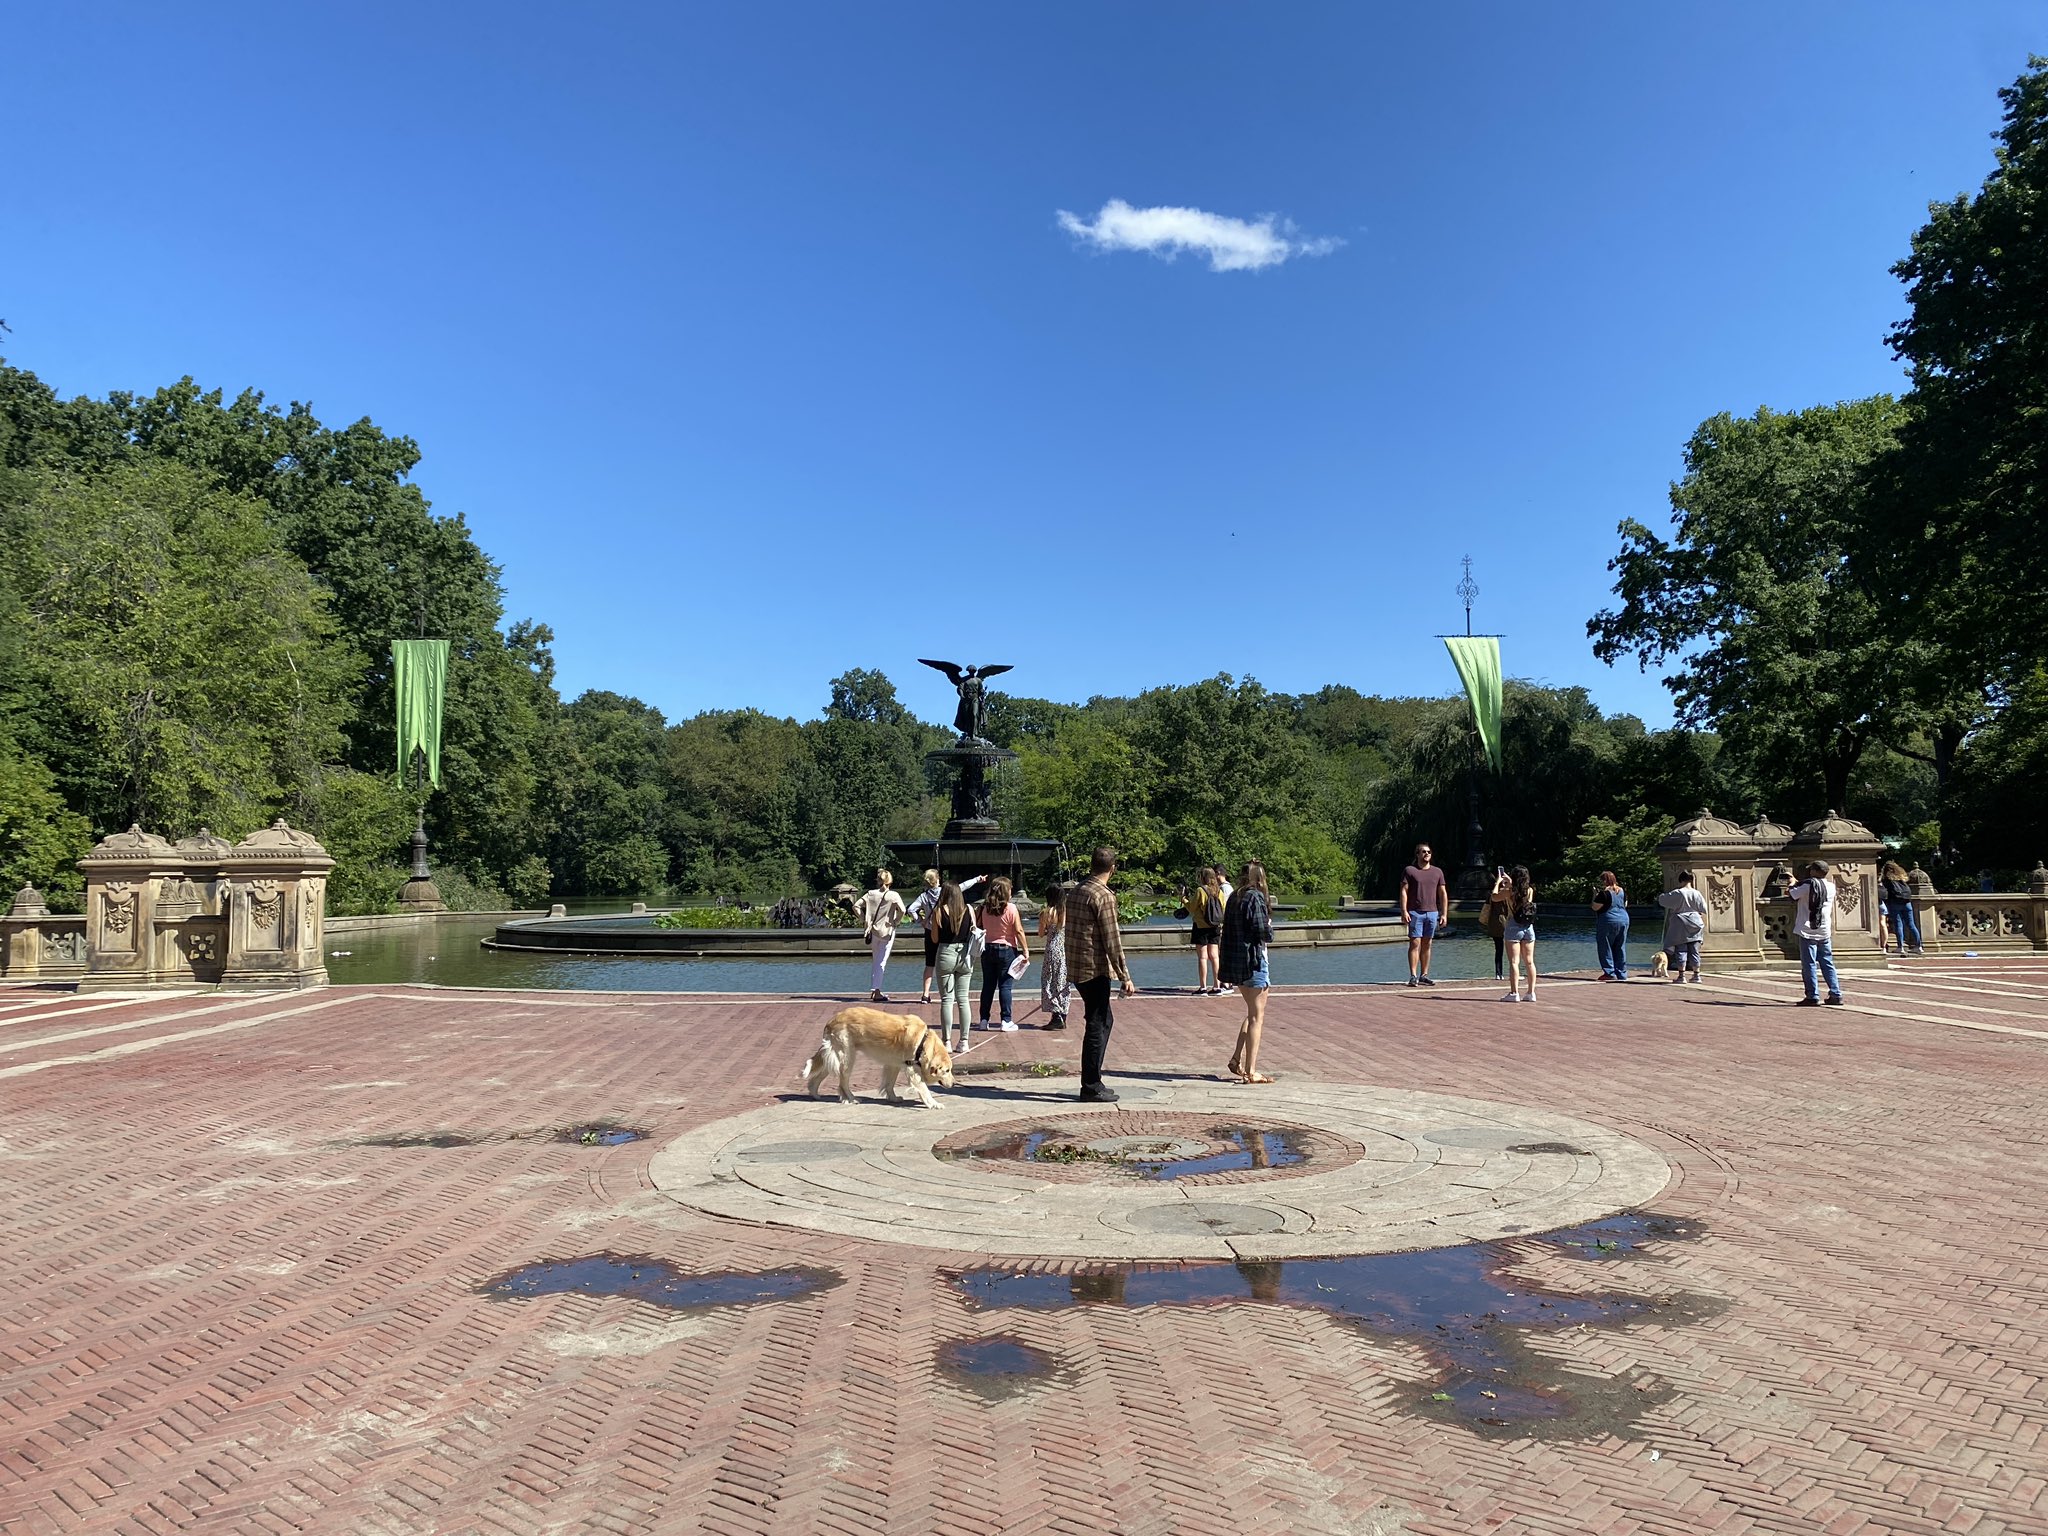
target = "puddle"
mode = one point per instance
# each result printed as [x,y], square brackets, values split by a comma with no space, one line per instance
[1162,1157]
[657,1282]
[600,1135]
[1463,1306]
[1000,1365]
[423,1139]
[1620,1237]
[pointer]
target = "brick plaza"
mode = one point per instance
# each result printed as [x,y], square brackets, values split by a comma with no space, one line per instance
[245,1290]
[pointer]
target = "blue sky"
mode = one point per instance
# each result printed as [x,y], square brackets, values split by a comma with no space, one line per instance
[750,342]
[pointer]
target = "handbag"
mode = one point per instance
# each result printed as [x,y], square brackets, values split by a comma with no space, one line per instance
[977,941]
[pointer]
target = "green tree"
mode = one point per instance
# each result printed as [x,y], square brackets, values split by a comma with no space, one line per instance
[1971,521]
[1087,787]
[1627,846]
[609,839]
[40,840]
[176,664]
[1762,597]
[732,778]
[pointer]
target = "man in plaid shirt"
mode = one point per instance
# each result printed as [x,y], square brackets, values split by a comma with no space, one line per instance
[1095,957]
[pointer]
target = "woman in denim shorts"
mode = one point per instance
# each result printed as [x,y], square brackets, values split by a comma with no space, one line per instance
[1519,936]
[1247,931]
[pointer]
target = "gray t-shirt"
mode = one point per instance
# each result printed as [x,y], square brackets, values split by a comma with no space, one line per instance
[1685,915]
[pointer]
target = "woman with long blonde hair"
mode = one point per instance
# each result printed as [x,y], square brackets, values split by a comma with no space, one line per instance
[952,927]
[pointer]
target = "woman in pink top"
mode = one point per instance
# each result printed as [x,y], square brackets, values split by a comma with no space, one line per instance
[1002,932]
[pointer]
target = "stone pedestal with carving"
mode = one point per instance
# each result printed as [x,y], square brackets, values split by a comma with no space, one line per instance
[123,877]
[276,882]
[1854,854]
[1723,860]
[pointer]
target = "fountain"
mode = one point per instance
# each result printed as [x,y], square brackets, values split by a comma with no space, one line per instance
[973,842]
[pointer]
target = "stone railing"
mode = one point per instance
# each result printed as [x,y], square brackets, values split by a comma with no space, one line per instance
[1988,922]
[199,912]
[1745,874]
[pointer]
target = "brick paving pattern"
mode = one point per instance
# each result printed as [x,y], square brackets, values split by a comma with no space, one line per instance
[224,1312]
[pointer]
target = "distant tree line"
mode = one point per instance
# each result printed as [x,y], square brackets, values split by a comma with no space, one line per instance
[198,596]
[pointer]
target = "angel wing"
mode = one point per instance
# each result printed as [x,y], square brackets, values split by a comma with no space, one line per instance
[950,668]
[1008,666]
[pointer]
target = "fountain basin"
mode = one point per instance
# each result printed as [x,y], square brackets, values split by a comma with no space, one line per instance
[636,935]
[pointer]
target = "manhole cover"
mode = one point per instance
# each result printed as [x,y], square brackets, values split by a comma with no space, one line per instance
[1199,1220]
[799,1152]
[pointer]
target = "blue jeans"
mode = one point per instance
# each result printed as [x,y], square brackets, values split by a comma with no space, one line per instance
[995,973]
[1905,924]
[1818,953]
[1611,939]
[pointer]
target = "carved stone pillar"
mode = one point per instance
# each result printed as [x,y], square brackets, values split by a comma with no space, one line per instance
[1854,855]
[276,909]
[123,876]
[1722,858]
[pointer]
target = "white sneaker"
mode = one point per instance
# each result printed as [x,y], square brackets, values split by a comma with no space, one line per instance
[1511,998]
[1009,1027]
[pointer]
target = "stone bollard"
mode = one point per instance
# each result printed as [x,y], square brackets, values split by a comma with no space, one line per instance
[36,943]
[124,875]
[1723,859]
[558,910]
[276,880]
[1854,855]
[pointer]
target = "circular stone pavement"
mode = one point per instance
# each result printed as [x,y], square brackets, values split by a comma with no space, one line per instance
[1402,1170]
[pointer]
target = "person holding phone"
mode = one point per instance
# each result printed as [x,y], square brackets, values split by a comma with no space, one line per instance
[1493,919]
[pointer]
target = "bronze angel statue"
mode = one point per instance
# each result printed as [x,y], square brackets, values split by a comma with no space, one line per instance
[971,719]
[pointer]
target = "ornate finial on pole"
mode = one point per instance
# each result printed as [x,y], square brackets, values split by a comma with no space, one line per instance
[1467,589]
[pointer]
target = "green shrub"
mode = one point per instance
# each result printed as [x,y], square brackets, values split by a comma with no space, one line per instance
[1314,912]
[713,917]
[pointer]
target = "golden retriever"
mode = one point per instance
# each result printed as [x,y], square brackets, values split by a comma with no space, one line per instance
[1660,964]
[898,1041]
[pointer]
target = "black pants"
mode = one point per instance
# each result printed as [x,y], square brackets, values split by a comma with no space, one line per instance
[1095,1043]
[1500,948]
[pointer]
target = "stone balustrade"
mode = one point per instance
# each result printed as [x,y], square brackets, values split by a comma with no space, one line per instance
[199,912]
[1746,872]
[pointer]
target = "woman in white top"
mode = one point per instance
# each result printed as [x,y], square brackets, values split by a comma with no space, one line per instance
[879,912]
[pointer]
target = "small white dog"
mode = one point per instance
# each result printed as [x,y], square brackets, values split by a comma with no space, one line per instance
[899,1041]
[1660,964]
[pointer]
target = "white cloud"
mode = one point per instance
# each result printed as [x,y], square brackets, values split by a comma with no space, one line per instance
[1232,245]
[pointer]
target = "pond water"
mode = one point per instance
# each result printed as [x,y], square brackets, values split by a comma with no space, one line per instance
[449,954]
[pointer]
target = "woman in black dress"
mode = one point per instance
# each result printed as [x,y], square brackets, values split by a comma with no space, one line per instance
[1247,930]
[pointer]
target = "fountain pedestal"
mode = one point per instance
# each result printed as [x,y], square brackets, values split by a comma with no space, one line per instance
[974,842]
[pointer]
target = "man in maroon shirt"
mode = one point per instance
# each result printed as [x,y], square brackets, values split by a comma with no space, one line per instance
[1425,907]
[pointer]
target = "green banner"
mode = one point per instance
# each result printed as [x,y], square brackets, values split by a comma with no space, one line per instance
[419,678]
[1478,661]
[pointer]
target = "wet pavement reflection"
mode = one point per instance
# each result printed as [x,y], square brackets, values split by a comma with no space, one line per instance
[1462,1305]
